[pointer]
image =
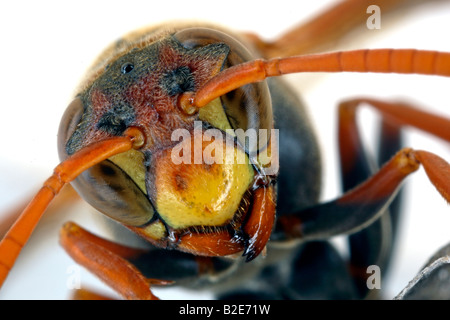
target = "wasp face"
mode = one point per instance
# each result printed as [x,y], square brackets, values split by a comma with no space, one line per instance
[149,190]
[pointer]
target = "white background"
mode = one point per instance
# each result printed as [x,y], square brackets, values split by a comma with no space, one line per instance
[46,47]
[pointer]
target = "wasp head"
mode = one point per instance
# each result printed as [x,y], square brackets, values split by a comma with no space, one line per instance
[163,191]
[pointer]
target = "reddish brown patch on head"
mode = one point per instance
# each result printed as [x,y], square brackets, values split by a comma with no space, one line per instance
[154,95]
[141,89]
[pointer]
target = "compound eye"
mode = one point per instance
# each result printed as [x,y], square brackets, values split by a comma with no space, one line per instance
[111,191]
[248,107]
[69,122]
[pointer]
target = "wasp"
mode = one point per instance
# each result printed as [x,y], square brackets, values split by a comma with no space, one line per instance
[110,127]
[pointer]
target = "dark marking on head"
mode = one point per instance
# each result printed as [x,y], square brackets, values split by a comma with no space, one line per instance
[116,120]
[207,167]
[180,182]
[107,170]
[178,81]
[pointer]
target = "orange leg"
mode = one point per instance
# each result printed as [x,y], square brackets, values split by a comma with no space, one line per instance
[108,261]
[400,114]
[372,245]
[378,238]
[364,203]
[131,272]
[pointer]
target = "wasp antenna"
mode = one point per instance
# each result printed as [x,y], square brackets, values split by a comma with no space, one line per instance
[406,61]
[65,172]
